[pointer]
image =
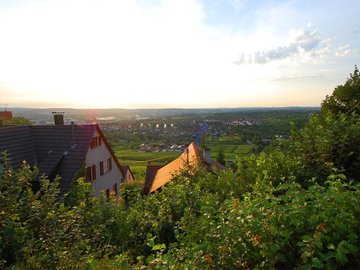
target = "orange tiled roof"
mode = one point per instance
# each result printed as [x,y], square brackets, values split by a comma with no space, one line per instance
[167,172]
[150,174]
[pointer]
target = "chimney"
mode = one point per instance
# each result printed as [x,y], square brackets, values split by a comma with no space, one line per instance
[207,156]
[58,118]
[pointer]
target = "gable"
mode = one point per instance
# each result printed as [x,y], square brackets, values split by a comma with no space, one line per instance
[102,167]
[167,172]
[107,145]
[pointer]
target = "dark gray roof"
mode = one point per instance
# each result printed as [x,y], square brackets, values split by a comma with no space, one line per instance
[56,150]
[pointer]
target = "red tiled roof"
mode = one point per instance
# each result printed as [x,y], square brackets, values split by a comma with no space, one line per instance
[157,176]
[6,115]
[169,171]
[151,171]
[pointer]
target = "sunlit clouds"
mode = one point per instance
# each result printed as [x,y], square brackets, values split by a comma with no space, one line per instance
[166,54]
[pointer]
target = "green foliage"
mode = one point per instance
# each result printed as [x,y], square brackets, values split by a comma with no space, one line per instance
[19,121]
[200,220]
[221,158]
[130,193]
[327,142]
[345,98]
[38,231]
[282,227]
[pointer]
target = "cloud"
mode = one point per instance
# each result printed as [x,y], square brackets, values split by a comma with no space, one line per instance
[241,60]
[130,53]
[303,43]
[296,78]
[344,51]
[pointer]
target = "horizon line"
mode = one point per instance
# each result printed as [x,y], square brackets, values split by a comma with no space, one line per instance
[162,108]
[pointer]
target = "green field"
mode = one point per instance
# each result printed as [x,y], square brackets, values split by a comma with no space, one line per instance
[138,160]
[135,157]
[231,146]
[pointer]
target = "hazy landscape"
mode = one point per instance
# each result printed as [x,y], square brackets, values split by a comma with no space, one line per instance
[45,114]
[174,134]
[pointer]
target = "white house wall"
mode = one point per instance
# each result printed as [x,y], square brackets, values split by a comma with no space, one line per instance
[102,182]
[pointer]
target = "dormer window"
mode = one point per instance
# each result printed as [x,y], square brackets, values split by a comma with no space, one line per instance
[95,142]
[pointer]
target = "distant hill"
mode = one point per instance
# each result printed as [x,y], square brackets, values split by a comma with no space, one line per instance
[88,115]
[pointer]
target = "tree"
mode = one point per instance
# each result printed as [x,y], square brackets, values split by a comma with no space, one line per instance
[328,142]
[345,98]
[19,121]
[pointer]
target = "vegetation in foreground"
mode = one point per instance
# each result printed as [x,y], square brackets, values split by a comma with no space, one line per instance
[293,206]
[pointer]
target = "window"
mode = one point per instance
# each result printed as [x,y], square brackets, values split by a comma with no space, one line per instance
[109,164]
[101,168]
[91,173]
[105,166]
[95,142]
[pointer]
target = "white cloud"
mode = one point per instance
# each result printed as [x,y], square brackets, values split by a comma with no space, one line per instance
[344,51]
[304,45]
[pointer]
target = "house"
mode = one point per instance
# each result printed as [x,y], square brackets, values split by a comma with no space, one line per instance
[5,115]
[129,176]
[158,175]
[150,174]
[65,150]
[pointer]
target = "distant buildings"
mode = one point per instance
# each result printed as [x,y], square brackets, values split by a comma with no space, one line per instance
[66,150]
[161,147]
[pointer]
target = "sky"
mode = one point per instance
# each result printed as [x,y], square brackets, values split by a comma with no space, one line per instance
[175,53]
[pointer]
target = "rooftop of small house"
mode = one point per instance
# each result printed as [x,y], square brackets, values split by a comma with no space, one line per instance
[158,175]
